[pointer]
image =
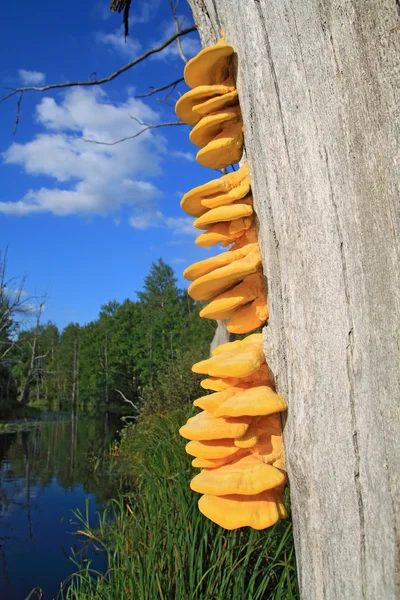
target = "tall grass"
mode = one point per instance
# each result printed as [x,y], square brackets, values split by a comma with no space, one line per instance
[159,546]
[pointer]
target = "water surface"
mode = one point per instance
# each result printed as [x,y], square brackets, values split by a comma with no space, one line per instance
[45,473]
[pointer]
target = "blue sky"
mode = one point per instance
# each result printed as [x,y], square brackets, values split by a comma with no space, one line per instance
[86,221]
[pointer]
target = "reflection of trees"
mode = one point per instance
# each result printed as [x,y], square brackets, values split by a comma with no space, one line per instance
[73,452]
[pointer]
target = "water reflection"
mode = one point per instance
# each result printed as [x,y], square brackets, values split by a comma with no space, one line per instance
[45,473]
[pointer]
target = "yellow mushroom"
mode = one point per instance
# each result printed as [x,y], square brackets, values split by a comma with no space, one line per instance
[229,212]
[211,402]
[213,124]
[247,475]
[212,449]
[224,149]
[256,401]
[247,290]
[259,377]
[237,361]
[269,449]
[234,511]
[210,66]
[208,265]
[193,105]
[250,317]
[205,426]
[220,234]
[205,463]
[217,192]
[250,438]
[212,283]
[249,340]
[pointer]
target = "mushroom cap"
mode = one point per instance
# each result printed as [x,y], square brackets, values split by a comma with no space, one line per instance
[251,287]
[216,234]
[249,317]
[259,377]
[218,280]
[224,190]
[208,265]
[269,449]
[229,212]
[233,511]
[225,149]
[205,463]
[209,66]
[250,438]
[255,401]
[193,105]
[205,426]
[212,124]
[247,475]
[211,402]
[212,449]
[238,363]
[270,424]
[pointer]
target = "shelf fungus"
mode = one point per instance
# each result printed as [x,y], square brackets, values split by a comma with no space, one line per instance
[235,440]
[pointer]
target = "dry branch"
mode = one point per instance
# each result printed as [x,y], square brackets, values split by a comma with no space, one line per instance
[146,127]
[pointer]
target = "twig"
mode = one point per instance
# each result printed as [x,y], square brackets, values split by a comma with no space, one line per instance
[146,126]
[126,399]
[18,113]
[116,73]
[178,28]
[173,84]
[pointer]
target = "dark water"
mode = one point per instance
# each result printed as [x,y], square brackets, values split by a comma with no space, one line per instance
[45,473]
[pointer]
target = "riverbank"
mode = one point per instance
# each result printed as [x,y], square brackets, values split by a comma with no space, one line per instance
[157,544]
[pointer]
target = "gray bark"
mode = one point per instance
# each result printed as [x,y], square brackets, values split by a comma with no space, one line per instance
[318,83]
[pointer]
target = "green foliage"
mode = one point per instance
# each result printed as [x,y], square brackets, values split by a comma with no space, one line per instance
[159,546]
[144,349]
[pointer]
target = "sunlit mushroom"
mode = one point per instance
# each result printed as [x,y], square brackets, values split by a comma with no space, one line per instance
[250,437]
[224,190]
[250,317]
[221,233]
[208,265]
[224,149]
[233,511]
[213,124]
[247,475]
[212,283]
[211,402]
[244,292]
[210,66]
[240,361]
[255,401]
[204,99]
[204,426]
[212,449]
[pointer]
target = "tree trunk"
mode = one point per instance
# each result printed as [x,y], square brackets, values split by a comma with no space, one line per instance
[317,83]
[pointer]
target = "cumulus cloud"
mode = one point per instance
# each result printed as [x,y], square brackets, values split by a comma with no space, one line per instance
[90,178]
[129,48]
[185,155]
[148,218]
[31,77]
[190,43]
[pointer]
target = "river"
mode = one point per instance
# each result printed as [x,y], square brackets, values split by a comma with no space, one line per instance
[56,466]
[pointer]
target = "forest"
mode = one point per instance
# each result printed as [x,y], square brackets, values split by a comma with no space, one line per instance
[140,350]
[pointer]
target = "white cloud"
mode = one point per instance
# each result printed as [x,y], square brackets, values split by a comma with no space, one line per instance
[148,218]
[178,261]
[129,48]
[181,225]
[91,178]
[31,77]
[145,13]
[185,155]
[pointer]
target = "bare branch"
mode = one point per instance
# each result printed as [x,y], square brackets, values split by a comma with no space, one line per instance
[173,84]
[18,113]
[146,126]
[126,399]
[178,28]
[116,73]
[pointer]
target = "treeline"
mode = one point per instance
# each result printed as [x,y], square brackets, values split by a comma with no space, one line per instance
[142,349]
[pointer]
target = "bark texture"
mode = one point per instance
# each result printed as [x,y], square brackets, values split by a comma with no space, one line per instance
[319,86]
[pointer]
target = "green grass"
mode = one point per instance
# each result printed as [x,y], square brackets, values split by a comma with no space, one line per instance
[160,547]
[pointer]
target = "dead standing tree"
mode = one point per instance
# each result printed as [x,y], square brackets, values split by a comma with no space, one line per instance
[319,85]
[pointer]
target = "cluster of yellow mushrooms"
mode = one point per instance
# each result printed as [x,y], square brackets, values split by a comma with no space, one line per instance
[236,439]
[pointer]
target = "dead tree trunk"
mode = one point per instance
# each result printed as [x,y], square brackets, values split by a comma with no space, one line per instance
[319,86]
